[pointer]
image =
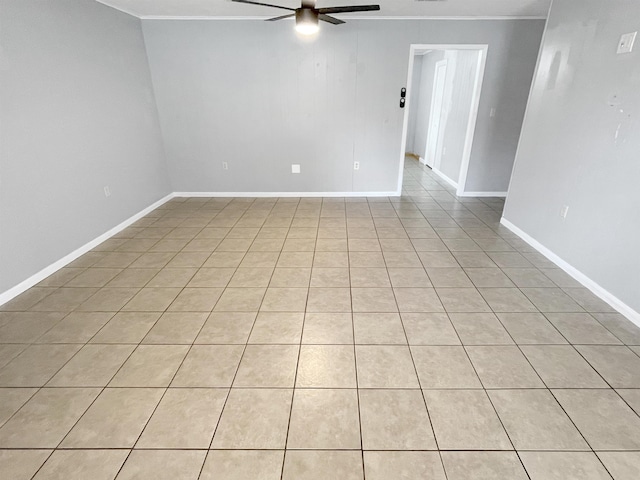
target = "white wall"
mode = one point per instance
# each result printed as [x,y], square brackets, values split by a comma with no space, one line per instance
[413,104]
[254,95]
[583,97]
[77,113]
[462,68]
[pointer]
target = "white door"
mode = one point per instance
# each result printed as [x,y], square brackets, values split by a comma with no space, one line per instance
[437,100]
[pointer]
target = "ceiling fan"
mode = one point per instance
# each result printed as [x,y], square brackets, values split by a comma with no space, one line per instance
[307,16]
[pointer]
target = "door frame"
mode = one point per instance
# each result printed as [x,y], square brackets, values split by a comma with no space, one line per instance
[416,48]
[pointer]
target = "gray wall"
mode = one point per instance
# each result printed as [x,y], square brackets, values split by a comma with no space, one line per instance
[462,68]
[254,95]
[77,113]
[582,95]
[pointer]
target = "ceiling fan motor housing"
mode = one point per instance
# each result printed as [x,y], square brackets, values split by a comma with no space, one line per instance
[306,16]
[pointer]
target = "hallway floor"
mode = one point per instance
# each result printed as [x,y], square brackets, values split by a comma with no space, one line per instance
[309,339]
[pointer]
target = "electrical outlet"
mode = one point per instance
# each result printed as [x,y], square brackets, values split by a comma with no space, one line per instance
[492,113]
[444,151]
[107,191]
[356,165]
[225,166]
[625,45]
[563,211]
[295,168]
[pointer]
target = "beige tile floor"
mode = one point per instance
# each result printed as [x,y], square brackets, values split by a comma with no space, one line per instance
[385,339]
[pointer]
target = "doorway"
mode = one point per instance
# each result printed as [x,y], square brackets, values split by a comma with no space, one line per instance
[443,96]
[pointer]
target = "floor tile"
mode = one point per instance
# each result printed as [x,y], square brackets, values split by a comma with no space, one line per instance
[320,465]
[395,420]
[465,420]
[36,365]
[163,465]
[602,417]
[152,300]
[243,464]
[10,351]
[503,367]
[409,277]
[196,370]
[27,327]
[507,300]
[429,329]
[211,277]
[480,329]
[82,464]
[126,327]
[551,300]
[324,419]
[535,421]
[176,328]
[375,300]
[267,366]
[403,466]
[150,366]
[21,464]
[196,300]
[240,300]
[290,277]
[172,277]
[254,419]
[488,277]
[619,366]
[632,397]
[622,328]
[483,466]
[184,419]
[418,300]
[284,300]
[562,366]
[581,328]
[385,367]
[563,466]
[326,366]
[444,367]
[378,328]
[76,328]
[277,328]
[115,420]
[462,300]
[369,278]
[93,366]
[11,399]
[226,328]
[530,328]
[46,418]
[328,300]
[328,328]
[621,465]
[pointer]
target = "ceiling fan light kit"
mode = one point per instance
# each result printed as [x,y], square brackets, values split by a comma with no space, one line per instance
[308,16]
[307,22]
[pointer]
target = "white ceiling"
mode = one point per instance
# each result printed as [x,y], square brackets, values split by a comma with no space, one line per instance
[390,8]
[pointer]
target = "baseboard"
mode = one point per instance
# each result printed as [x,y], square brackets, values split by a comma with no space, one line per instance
[483,194]
[445,178]
[45,272]
[596,289]
[285,194]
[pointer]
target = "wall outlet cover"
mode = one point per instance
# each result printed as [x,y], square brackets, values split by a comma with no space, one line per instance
[295,168]
[626,42]
[356,165]
[107,192]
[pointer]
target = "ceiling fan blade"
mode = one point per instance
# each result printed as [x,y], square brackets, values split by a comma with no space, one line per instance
[264,5]
[327,18]
[353,8]
[281,18]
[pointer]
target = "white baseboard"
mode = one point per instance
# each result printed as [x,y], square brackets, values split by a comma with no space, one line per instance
[445,178]
[45,272]
[483,194]
[596,289]
[286,194]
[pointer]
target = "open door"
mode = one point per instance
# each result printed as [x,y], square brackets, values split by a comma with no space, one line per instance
[437,101]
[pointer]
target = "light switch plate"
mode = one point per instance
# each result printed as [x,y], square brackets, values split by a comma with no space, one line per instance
[626,42]
[295,168]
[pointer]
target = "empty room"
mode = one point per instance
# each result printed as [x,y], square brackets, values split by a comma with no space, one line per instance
[317,240]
